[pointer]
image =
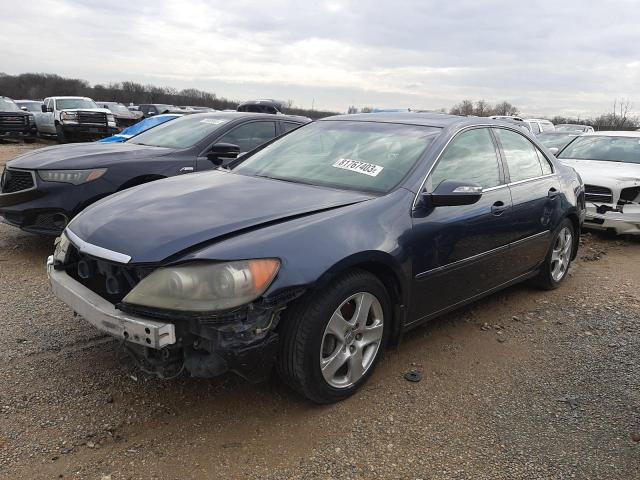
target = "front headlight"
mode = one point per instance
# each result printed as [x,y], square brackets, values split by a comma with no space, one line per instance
[66,116]
[110,118]
[205,287]
[75,177]
[62,248]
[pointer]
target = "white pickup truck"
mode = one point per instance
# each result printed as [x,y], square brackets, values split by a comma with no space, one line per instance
[75,118]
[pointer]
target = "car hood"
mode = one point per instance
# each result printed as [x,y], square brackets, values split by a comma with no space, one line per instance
[156,220]
[85,155]
[101,110]
[606,174]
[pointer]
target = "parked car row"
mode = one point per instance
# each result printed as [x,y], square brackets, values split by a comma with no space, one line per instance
[321,245]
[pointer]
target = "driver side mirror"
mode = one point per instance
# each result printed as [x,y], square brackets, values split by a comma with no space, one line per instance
[452,193]
[223,151]
[45,109]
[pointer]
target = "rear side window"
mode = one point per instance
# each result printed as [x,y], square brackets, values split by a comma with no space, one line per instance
[288,126]
[520,154]
[535,128]
[470,157]
[250,135]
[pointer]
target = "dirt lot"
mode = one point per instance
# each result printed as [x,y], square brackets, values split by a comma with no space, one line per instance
[525,384]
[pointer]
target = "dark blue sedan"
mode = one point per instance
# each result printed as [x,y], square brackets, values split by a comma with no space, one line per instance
[319,249]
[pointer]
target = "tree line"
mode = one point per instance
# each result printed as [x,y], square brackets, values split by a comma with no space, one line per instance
[37,86]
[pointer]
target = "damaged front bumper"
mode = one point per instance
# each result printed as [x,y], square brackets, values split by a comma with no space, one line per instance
[623,219]
[242,342]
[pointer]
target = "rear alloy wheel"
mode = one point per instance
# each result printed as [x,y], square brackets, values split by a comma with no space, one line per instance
[556,264]
[331,340]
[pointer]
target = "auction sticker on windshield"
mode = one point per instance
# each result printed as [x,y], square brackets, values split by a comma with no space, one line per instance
[359,167]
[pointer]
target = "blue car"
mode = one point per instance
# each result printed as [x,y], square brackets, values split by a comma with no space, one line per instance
[315,251]
[140,127]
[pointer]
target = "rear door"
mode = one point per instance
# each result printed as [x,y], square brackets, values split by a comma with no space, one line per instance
[459,252]
[536,195]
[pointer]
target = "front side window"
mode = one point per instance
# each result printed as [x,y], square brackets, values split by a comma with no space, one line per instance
[470,157]
[351,155]
[605,148]
[520,154]
[250,135]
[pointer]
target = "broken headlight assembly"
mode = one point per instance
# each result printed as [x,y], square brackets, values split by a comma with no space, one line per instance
[204,287]
[62,248]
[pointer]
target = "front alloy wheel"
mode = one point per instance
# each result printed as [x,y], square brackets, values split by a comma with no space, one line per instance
[332,339]
[351,340]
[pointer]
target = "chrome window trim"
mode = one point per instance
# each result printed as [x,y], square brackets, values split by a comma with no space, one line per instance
[531,179]
[96,251]
[33,176]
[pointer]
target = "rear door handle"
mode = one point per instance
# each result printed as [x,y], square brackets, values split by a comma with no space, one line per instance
[498,208]
[186,170]
[553,193]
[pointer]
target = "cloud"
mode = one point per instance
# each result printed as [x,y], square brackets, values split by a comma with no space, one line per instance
[546,57]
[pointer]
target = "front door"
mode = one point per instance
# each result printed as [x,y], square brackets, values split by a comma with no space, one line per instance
[459,251]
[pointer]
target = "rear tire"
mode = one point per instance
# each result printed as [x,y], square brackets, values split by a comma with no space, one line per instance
[558,260]
[331,340]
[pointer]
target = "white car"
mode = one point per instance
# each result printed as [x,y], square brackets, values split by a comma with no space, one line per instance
[609,164]
[73,118]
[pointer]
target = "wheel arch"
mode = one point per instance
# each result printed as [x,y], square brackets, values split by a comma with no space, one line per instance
[386,269]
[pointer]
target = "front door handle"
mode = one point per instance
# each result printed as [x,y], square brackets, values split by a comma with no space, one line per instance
[553,193]
[498,208]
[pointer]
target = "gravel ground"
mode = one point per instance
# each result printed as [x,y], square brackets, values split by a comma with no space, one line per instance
[522,385]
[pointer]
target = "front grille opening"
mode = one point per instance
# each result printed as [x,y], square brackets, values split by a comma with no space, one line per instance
[111,281]
[16,180]
[598,194]
[92,118]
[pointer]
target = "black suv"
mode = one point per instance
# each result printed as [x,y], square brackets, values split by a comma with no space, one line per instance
[15,123]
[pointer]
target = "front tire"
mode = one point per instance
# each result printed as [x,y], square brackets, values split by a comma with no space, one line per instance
[61,136]
[558,260]
[332,340]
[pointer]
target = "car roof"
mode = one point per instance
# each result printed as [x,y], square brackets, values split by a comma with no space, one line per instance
[239,115]
[441,120]
[71,97]
[631,134]
[537,120]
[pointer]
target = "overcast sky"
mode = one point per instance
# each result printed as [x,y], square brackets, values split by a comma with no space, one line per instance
[547,57]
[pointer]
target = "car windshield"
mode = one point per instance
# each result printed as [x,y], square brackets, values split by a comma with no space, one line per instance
[64,103]
[146,124]
[8,106]
[117,108]
[570,128]
[557,140]
[365,156]
[605,148]
[31,106]
[182,133]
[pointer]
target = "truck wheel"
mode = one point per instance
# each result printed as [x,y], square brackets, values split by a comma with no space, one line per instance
[62,138]
[331,340]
